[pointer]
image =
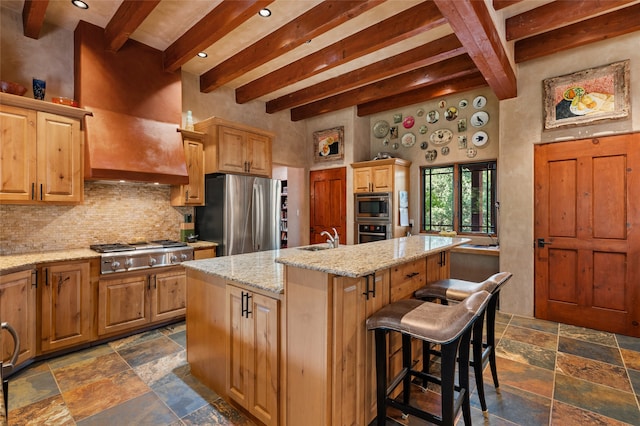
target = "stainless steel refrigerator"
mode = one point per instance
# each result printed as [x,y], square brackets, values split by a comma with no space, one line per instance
[241,214]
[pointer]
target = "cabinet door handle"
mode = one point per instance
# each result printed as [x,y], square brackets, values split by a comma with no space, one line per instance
[368,290]
[244,303]
[249,312]
[443,259]
[33,190]
[41,192]
[186,196]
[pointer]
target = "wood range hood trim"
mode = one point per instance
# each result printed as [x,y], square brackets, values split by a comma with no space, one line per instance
[136,109]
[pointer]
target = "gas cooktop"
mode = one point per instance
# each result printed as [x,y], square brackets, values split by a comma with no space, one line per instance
[144,245]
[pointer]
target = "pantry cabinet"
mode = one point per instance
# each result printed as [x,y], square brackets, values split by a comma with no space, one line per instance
[42,155]
[235,148]
[252,353]
[128,302]
[65,305]
[18,308]
[191,194]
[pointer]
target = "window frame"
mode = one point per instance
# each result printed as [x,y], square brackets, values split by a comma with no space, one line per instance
[493,206]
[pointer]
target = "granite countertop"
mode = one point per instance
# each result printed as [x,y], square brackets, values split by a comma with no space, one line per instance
[363,259]
[253,269]
[19,262]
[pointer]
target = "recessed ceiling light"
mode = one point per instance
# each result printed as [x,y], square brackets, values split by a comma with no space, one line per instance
[265,13]
[202,54]
[80,4]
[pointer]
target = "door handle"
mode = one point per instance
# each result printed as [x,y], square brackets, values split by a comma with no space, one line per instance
[542,242]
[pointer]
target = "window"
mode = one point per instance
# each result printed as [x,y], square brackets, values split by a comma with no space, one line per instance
[460,198]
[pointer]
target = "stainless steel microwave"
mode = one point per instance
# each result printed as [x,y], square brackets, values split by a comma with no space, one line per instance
[373,206]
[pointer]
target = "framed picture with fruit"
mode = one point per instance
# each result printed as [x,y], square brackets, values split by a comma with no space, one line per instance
[328,145]
[587,97]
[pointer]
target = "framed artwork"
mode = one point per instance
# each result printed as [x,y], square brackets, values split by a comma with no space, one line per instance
[587,96]
[328,145]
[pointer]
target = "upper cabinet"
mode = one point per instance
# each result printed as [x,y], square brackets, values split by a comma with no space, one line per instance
[386,175]
[235,148]
[42,152]
[191,194]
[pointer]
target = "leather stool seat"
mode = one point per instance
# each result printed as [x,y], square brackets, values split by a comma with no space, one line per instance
[459,290]
[449,326]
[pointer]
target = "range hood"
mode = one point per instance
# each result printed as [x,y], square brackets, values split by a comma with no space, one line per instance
[137,107]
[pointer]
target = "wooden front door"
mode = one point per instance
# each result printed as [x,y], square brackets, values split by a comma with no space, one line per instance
[328,204]
[587,233]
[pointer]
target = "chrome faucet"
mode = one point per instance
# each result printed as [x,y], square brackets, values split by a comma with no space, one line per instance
[332,240]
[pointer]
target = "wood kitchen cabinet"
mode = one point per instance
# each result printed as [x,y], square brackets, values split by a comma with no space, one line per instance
[42,156]
[355,300]
[252,353]
[136,300]
[18,308]
[191,194]
[65,305]
[388,175]
[438,266]
[235,148]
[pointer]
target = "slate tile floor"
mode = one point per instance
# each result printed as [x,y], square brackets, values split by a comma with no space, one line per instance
[550,374]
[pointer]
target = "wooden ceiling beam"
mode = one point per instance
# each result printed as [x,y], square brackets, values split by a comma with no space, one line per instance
[439,50]
[402,26]
[603,27]
[125,21]
[223,19]
[414,96]
[501,4]
[472,23]
[33,17]
[556,14]
[320,19]
[450,69]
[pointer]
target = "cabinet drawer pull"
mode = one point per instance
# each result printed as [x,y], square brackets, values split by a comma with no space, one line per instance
[369,290]
[412,274]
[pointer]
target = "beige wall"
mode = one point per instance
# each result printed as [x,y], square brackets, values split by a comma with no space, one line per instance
[521,127]
[416,154]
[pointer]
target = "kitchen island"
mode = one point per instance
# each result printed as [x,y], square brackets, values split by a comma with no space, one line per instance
[282,333]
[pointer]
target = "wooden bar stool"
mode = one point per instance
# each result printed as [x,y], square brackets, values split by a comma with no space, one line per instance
[448,326]
[459,290]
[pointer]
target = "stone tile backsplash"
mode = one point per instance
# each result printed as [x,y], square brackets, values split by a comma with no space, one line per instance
[111,212]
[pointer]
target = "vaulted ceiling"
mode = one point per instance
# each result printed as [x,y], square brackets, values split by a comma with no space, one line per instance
[313,56]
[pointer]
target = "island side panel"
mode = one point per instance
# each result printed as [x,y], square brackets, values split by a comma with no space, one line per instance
[308,296]
[206,333]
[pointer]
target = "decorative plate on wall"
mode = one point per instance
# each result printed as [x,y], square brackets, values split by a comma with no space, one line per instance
[479,102]
[479,138]
[408,122]
[433,116]
[479,119]
[451,113]
[441,137]
[380,129]
[423,129]
[408,140]
[463,103]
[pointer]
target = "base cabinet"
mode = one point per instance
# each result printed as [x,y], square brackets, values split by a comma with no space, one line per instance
[18,308]
[252,353]
[132,301]
[66,309]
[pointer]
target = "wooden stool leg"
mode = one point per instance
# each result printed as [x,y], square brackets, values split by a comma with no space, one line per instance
[477,360]
[406,363]
[448,371]
[463,373]
[381,376]
[491,336]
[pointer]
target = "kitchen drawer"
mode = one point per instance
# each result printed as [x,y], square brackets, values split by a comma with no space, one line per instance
[407,278]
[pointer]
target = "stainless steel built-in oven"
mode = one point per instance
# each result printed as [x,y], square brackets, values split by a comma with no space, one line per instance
[368,232]
[373,206]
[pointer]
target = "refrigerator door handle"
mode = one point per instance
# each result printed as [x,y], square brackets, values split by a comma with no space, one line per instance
[258,217]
